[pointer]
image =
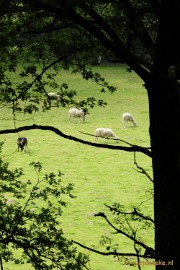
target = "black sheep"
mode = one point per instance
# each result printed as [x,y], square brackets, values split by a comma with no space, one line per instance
[22,143]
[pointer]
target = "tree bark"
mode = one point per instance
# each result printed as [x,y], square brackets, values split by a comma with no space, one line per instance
[164,107]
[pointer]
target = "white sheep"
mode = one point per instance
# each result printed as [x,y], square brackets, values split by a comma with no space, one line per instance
[77,113]
[53,95]
[127,117]
[105,133]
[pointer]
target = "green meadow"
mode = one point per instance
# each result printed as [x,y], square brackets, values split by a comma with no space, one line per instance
[100,176]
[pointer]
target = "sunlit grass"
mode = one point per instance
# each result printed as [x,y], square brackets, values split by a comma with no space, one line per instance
[99,175]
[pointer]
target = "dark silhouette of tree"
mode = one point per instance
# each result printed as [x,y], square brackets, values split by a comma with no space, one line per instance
[145,36]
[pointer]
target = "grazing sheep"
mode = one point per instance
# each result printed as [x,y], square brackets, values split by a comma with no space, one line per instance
[53,95]
[22,143]
[105,133]
[77,113]
[127,117]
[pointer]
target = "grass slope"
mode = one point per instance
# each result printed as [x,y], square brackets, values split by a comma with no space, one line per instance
[99,175]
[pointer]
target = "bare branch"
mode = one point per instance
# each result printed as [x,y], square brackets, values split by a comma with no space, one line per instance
[130,144]
[114,253]
[72,138]
[142,170]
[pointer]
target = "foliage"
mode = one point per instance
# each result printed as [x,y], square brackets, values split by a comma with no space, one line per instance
[72,35]
[31,220]
[40,43]
[37,57]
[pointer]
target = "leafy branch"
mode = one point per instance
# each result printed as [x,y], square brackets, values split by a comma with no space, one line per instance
[149,252]
[30,221]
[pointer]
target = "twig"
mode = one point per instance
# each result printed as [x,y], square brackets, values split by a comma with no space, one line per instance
[114,253]
[142,170]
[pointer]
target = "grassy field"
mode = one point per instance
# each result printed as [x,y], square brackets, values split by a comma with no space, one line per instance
[99,175]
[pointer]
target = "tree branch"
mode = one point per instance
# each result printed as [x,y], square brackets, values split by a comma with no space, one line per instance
[47,29]
[134,148]
[149,252]
[142,170]
[114,253]
[134,212]
[55,62]
[111,41]
[122,232]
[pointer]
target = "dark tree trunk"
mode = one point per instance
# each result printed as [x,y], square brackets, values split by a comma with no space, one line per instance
[164,106]
[165,139]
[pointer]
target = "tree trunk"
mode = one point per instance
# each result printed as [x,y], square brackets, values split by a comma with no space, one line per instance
[165,140]
[164,107]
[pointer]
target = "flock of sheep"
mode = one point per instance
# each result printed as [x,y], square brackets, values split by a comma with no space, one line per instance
[102,132]
[81,114]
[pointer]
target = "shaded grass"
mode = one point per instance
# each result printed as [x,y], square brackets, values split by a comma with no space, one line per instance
[99,175]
